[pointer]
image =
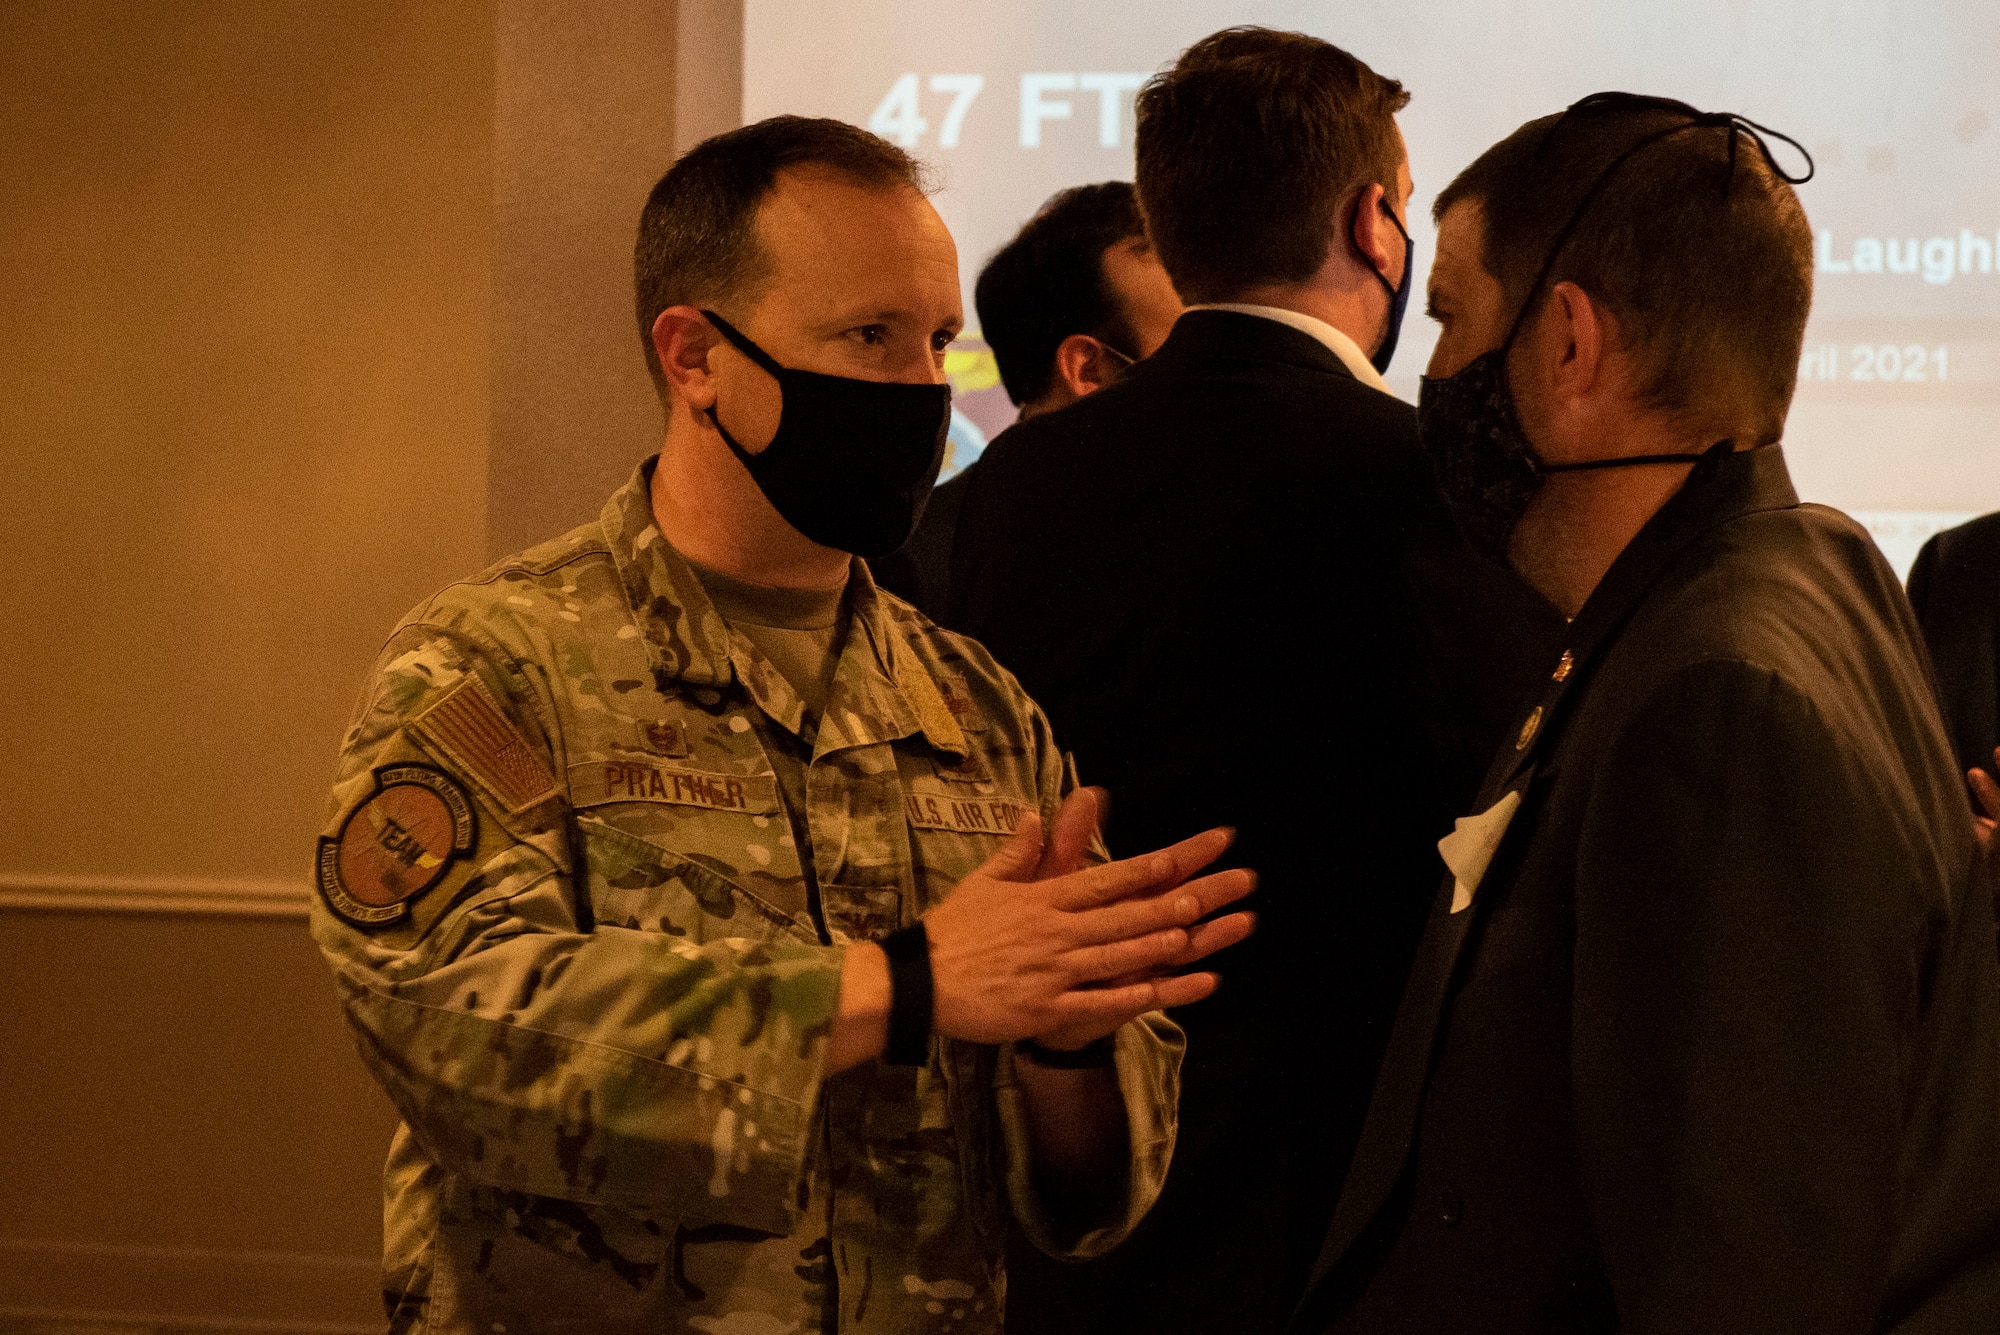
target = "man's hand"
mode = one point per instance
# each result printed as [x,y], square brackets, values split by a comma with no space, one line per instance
[1030,945]
[1987,794]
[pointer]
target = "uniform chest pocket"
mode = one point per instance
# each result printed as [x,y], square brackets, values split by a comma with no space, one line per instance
[636,883]
[861,912]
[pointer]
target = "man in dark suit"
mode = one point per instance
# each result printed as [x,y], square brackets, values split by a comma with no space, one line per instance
[1704,1031]
[1068,306]
[1955,587]
[1230,580]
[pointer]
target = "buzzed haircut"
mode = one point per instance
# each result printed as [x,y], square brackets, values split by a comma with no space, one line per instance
[1049,282]
[1700,251]
[698,235]
[1247,151]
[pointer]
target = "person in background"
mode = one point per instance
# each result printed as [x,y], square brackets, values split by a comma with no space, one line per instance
[692,901]
[1955,587]
[1704,1033]
[1068,305]
[1232,582]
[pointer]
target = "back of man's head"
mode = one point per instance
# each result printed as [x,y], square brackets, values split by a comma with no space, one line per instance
[698,232]
[1049,282]
[1700,251]
[1248,147]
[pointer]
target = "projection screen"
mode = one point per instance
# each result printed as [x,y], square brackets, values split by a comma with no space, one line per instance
[1897,418]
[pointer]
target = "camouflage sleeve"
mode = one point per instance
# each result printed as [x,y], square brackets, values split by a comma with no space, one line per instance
[526,1046]
[1148,1059]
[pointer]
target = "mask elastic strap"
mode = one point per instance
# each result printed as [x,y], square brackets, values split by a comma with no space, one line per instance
[741,342]
[1409,252]
[742,454]
[1116,351]
[1570,225]
[1727,120]
[1634,461]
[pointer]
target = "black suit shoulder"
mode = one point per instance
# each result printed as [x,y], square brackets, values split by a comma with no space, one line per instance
[1955,588]
[1273,400]
[1781,588]
[919,572]
[1798,603]
[1957,571]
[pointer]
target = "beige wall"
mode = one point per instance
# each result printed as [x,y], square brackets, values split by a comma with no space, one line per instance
[246,340]
[587,117]
[244,395]
[310,307]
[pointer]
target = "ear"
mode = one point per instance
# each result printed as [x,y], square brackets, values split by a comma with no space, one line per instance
[683,340]
[1581,329]
[1378,243]
[1084,365]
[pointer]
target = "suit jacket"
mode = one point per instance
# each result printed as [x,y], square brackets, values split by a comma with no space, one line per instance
[1230,582]
[1955,587]
[1715,1046]
[919,572]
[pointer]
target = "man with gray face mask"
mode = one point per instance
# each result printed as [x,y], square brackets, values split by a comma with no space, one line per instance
[1704,1032]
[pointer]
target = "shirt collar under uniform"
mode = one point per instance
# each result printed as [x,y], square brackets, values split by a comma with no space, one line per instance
[1339,344]
[881,689]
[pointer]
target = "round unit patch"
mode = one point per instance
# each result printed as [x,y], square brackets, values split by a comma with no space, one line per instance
[395,845]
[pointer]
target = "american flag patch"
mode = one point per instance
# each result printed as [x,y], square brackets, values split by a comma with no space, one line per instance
[469,728]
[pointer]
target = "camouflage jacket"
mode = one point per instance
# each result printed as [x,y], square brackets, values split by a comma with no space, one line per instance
[565,907]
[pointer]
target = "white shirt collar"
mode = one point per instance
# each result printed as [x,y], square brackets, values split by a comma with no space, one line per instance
[1339,344]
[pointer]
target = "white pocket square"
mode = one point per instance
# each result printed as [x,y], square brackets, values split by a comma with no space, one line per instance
[1470,846]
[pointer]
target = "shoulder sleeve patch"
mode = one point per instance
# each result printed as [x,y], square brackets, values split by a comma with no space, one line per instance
[397,844]
[472,731]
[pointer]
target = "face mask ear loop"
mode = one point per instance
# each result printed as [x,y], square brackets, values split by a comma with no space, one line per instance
[1403,232]
[1757,133]
[1576,217]
[1127,358]
[1696,119]
[741,342]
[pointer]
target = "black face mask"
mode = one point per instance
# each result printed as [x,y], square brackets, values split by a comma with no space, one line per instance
[1486,467]
[853,461]
[1399,297]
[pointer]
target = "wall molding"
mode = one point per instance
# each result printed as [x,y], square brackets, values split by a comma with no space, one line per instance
[189,1288]
[200,896]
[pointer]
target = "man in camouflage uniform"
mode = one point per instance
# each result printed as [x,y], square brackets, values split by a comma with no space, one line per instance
[621,820]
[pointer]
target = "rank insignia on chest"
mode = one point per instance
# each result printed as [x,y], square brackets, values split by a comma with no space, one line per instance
[664,739]
[397,844]
[958,699]
[953,770]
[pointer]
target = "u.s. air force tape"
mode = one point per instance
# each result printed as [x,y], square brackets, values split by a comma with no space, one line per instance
[396,844]
[963,815]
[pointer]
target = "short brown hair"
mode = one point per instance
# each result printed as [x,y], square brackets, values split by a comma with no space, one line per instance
[1246,150]
[698,235]
[1049,282]
[1698,248]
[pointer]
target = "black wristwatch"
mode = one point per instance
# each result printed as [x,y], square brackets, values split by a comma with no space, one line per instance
[1096,1055]
[910,996]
